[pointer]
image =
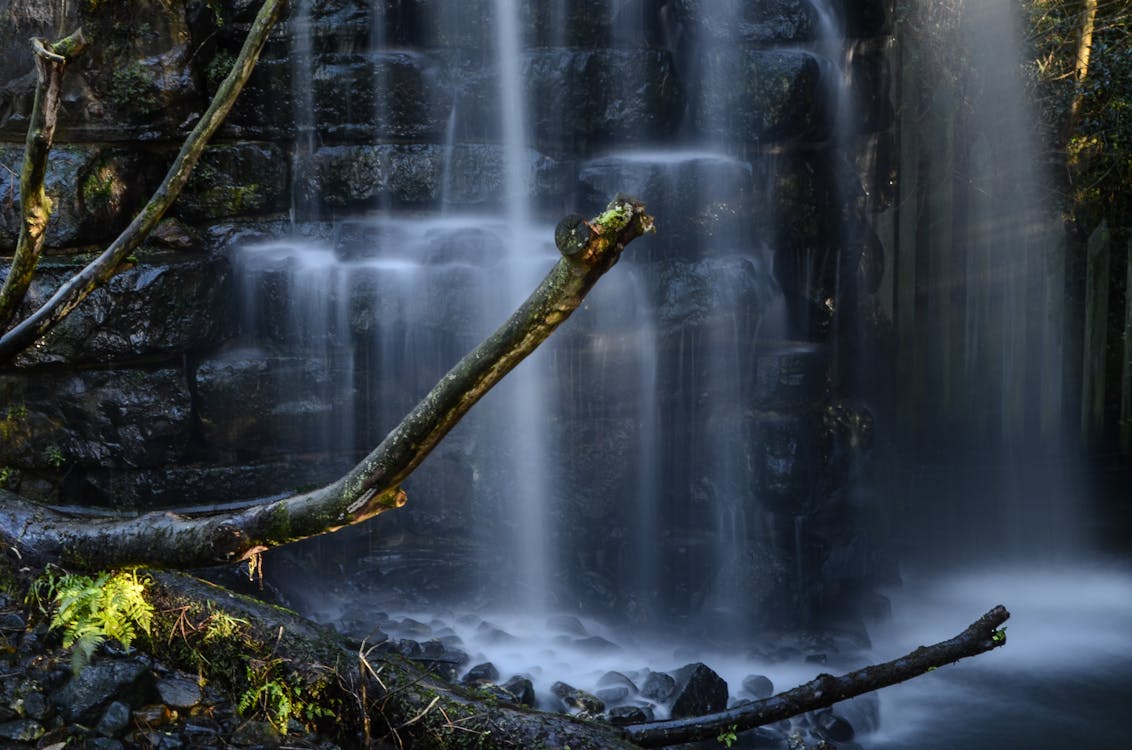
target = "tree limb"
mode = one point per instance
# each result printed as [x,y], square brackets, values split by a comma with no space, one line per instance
[76,289]
[42,534]
[825,690]
[50,61]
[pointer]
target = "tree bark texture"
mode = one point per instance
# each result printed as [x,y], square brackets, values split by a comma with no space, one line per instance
[102,268]
[50,62]
[825,690]
[38,534]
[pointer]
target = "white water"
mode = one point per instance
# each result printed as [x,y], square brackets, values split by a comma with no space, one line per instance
[1062,679]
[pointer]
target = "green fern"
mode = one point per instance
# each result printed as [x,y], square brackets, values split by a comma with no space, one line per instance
[92,610]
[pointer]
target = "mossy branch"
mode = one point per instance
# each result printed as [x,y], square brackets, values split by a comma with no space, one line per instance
[102,268]
[50,62]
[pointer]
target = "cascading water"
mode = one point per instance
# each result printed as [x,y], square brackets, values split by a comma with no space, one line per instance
[980,453]
[675,459]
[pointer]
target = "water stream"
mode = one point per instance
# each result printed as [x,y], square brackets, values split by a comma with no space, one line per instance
[659,472]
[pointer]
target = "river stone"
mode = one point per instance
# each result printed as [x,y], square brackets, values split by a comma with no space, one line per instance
[577,701]
[831,726]
[522,690]
[481,674]
[36,705]
[21,730]
[699,691]
[83,697]
[622,715]
[612,695]
[658,686]
[114,719]
[617,679]
[758,686]
[257,734]
[178,691]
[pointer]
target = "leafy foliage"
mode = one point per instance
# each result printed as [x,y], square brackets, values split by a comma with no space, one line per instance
[89,611]
[277,698]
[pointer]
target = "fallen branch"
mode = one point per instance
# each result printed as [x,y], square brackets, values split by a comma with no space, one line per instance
[40,534]
[825,690]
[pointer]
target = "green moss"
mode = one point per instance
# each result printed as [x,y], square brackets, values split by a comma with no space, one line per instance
[616,217]
[132,90]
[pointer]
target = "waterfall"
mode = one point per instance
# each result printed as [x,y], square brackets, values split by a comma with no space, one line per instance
[982,337]
[652,463]
[526,424]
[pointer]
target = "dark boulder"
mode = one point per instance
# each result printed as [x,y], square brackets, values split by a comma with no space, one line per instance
[699,691]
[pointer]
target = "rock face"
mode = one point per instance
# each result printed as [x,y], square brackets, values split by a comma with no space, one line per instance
[185,378]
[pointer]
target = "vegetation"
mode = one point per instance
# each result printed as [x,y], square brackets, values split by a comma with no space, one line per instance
[90,610]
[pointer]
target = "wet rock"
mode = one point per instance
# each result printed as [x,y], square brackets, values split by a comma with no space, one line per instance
[617,679]
[105,743]
[83,698]
[21,730]
[95,191]
[758,686]
[492,634]
[257,734]
[831,726]
[580,23]
[773,95]
[114,719]
[481,674]
[394,95]
[522,690]
[359,177]
[99,418]
[568,624]
[763,738]
[36,706]
[622,715]
[239,179]
[612,695]
[247,402]
[595,644]
[658,686]
[699,691]
[577,701]
[582,95]
[761,22]
[164,304]
[178,691]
